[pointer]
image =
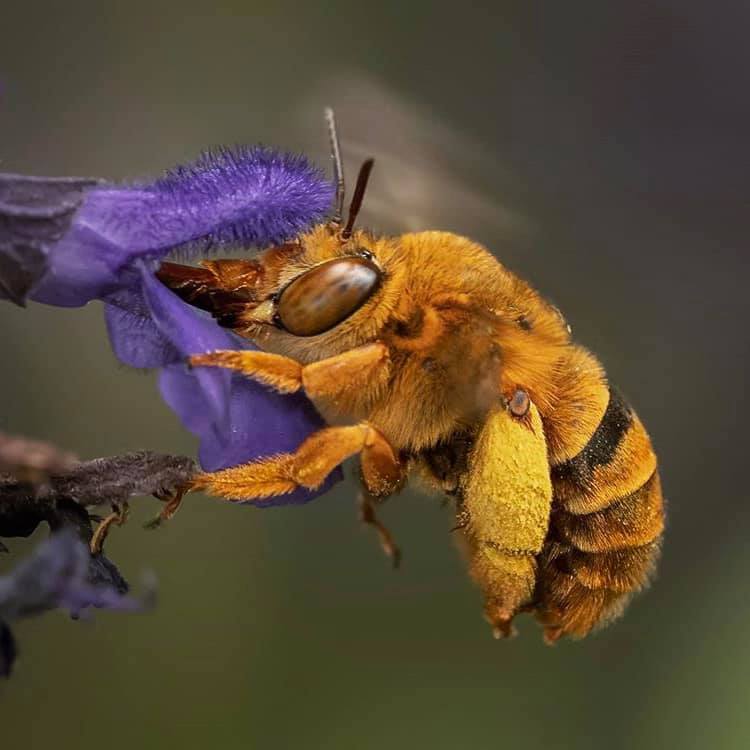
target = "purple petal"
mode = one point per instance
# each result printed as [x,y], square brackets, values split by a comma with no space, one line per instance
[135,338]
[241,197]
[261,422]
[35,212]
[182,392]
[189,331]
[57,575]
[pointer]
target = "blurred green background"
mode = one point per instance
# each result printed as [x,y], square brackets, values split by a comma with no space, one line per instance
[601,150]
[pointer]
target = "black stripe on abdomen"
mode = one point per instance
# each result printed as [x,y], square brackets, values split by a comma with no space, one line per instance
[603,445]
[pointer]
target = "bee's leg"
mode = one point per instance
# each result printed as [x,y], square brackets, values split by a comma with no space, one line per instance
[508,580]
[172,503]
[307,467]
[118,516]
[356,368]
[382,474]
[367,515]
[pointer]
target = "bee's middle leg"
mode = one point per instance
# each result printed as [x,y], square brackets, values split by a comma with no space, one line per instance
[306,468]
[382,471]
[367,515]
[382,474]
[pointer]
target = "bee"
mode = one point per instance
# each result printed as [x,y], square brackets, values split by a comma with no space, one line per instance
[430,360]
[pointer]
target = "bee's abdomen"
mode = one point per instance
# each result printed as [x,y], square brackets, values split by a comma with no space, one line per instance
[606,524]
[616,461]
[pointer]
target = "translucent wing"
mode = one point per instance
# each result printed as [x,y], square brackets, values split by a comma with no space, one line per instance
[422,166]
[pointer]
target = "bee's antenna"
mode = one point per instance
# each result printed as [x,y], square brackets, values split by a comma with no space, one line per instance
[359,194]
[338,170]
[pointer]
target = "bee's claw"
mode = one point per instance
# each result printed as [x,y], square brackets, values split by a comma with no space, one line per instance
[154,523]
[367,515]
[172,502]
[502,629]
[118,517]
[500,620]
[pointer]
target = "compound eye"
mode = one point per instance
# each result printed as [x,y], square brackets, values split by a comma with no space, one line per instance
[519,403]
[326,295]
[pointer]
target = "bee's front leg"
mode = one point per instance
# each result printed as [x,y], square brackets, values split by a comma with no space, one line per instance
[364,367]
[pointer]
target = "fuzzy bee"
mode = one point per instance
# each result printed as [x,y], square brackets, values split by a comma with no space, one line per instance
[429,359]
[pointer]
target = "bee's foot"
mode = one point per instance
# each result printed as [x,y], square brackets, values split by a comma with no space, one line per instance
[367,515]
[172,502]
[501,621]
[118,517]
[552,634]
[503,629]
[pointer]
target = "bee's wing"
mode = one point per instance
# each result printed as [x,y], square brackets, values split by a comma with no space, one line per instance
[422,166]
[34,213]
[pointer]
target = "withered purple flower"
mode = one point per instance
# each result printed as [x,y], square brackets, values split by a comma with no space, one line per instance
[60,574]
[113,243]
[35,213]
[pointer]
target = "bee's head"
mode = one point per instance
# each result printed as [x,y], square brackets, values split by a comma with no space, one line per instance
[329,291]
[323,294]
[326,292]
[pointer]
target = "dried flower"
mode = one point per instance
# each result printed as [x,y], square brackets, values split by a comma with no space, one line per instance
[35,213]
[65,495]
[60,574]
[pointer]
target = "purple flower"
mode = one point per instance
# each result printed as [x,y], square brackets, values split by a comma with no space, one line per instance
[229,198]
[110,248]
[60,574]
